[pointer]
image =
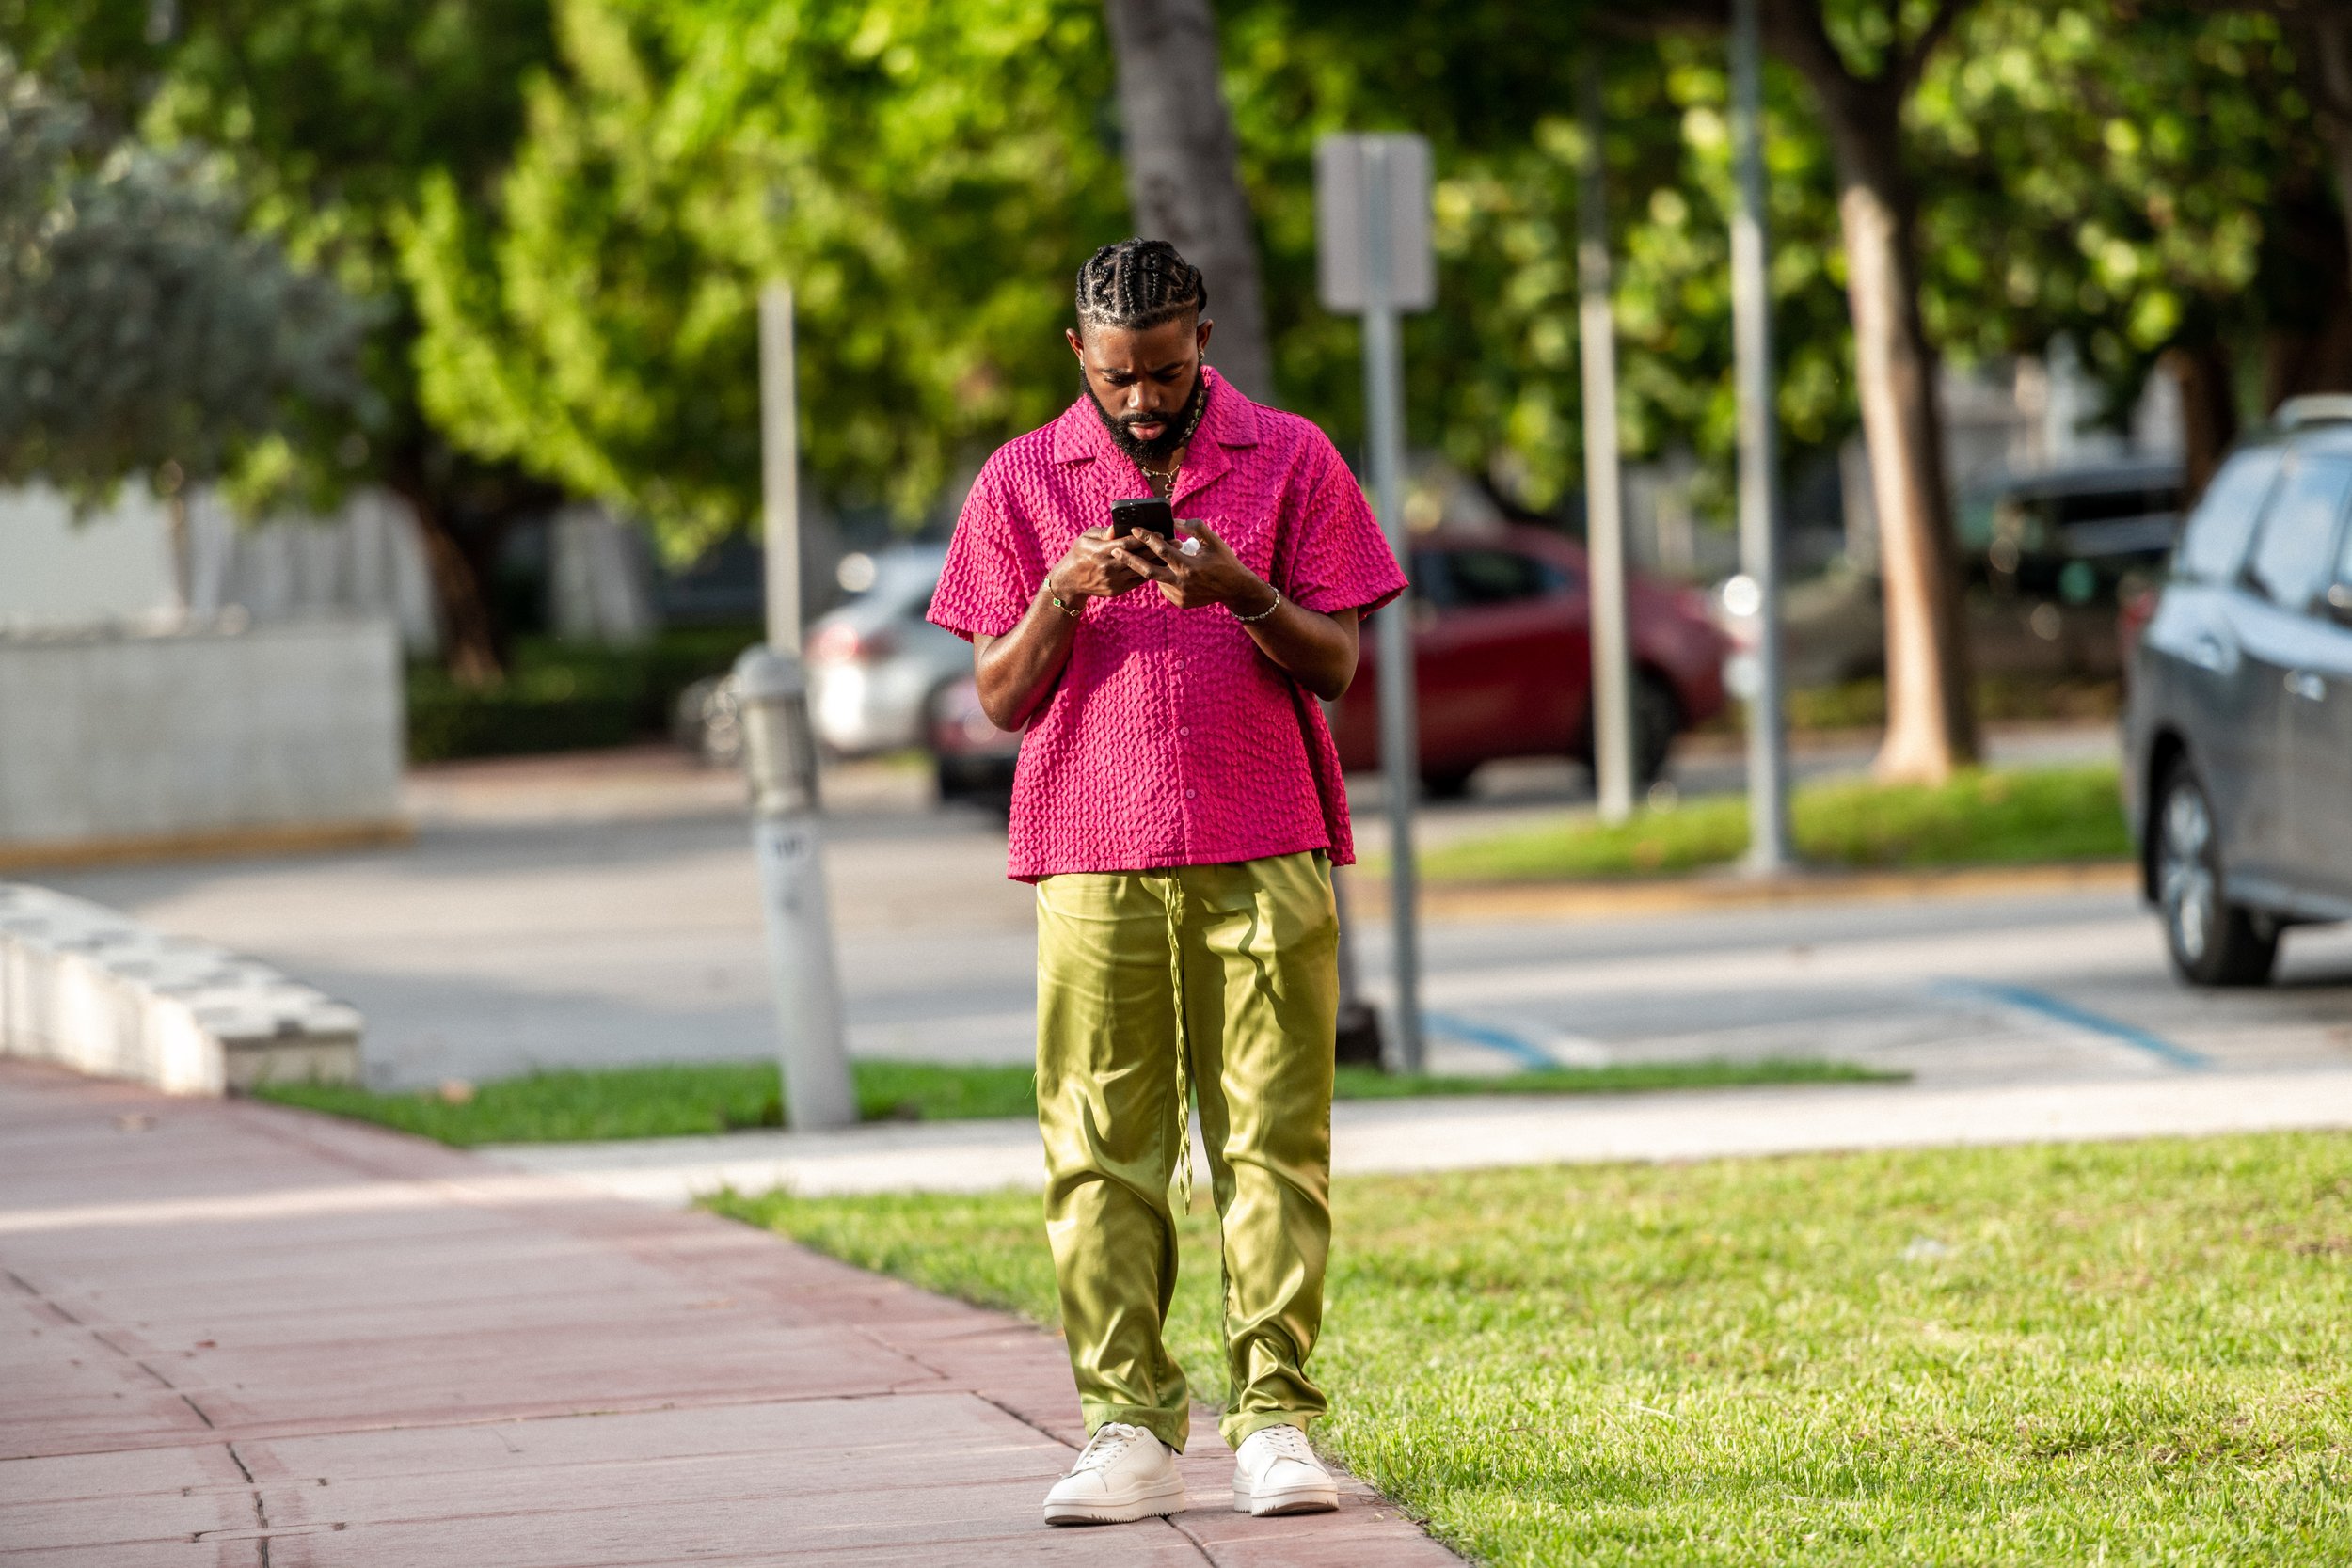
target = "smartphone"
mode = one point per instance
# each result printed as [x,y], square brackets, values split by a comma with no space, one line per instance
[1146,513]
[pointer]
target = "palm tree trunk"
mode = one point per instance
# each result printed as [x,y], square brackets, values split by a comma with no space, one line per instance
[1184,173]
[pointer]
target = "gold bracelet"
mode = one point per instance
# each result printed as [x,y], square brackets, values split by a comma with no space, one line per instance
[1055,600]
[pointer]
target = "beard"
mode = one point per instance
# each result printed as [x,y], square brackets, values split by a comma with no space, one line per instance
[1175,429]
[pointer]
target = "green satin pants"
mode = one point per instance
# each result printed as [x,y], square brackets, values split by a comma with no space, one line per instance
[1231,971]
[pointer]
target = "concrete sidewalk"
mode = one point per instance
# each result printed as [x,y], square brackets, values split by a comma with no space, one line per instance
[232,1334]
[1474,1131]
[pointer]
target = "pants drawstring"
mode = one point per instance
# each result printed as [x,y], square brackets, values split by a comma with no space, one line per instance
[1183,1048]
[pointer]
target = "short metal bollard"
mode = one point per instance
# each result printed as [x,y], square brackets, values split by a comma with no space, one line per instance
[780,759]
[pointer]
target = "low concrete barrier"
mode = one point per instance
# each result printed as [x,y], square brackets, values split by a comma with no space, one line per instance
[92,990]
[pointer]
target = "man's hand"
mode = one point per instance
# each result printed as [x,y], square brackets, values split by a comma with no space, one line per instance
[1215,575]
[1096,566]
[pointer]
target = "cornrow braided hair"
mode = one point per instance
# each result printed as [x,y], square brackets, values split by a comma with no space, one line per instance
[1138,284]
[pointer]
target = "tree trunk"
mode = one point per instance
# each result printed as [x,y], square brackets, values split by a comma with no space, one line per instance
[1184,173]
[2308,346]
[1930,724]
[176,541]
[2200,367]
[460,569]
[2331,41]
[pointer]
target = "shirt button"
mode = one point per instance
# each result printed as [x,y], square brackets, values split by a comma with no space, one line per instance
[1190,793]
[1183,729]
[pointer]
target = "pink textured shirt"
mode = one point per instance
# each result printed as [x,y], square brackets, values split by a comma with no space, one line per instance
[1170,738]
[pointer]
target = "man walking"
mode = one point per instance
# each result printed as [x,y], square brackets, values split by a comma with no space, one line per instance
[1178,806]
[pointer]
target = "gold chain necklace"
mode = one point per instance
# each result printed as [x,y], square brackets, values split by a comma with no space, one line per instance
[1192,428]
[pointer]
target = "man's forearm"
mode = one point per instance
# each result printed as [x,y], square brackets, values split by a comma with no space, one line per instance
[1016,670]
[1318,651]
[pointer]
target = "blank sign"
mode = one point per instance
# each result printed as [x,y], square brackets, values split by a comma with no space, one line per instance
[1363,179]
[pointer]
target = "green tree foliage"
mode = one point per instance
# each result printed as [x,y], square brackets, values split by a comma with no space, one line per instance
[2117,172]
[1506,226]
[332,115]
[142,326]
[571,205]
[1494,368]
[926,176]
[925,173]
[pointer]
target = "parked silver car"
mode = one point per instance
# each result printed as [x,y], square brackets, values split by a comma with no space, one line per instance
[875,664]
[2238,727]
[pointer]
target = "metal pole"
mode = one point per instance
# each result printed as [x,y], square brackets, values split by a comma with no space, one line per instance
[1604,507]
[780,466]
[1769,849]
[1357,1041]
[780,758]
[1400,761]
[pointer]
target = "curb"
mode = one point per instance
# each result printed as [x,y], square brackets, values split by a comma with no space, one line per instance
[1472,1133]
[298,839]
[1595,900]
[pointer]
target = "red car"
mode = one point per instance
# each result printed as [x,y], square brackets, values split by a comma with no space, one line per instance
[1502,644]
[1503,651]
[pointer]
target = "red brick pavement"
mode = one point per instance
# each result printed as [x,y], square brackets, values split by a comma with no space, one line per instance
[232,1334]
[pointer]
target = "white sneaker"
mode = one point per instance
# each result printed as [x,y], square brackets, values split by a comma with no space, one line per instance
[1276,1472]
[1125,1474]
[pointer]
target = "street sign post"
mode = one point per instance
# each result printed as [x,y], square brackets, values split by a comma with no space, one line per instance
[1769,849]
[1374,259]
[780,757]
[1604,507]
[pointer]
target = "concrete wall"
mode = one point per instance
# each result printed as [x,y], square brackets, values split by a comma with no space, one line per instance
[116,733]
[57,569]
[54,566]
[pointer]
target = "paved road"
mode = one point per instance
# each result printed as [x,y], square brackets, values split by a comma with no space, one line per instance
[604,911]
[495,944]
[236,1335]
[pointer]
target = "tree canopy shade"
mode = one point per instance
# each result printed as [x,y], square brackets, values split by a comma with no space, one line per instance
[927,173]
[143,330]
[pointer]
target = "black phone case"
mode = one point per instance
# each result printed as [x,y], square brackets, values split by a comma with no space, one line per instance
[1148,513]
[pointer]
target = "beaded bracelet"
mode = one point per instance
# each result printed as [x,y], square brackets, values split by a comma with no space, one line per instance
[1269,610]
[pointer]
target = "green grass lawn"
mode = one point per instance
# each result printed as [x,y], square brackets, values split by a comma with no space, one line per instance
[718,1096]
[1980,818]
[1861,704]
[667,1101]
[2098,1353]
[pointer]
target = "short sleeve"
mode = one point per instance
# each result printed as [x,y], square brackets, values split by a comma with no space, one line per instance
[1338,557]
[992,568]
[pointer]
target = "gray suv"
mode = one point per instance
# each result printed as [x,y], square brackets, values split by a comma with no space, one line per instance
[2238,732]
